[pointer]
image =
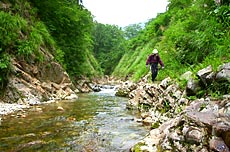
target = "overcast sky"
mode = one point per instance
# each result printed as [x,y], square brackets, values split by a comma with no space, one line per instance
[124,12]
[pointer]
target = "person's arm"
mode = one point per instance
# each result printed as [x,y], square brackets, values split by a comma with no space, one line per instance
[147,61]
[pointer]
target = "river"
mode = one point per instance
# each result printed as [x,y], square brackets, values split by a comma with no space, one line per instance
[96,122]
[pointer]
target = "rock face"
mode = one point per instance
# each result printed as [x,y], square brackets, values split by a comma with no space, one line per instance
[33,82]
[207,78]
[224,73]
[180,124]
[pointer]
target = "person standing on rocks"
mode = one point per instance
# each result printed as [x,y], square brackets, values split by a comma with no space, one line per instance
[153,60]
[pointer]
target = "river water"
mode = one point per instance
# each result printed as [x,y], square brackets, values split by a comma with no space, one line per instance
[96,122]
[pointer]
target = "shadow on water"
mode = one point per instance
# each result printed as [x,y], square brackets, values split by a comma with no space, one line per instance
[96,122]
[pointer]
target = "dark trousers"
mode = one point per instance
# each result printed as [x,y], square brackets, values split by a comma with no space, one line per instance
[154,70]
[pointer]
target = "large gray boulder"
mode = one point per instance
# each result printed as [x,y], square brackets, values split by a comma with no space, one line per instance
[205,75]
[224,73]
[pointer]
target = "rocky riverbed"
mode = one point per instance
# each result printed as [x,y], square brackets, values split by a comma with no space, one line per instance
[60,92]
[179,122]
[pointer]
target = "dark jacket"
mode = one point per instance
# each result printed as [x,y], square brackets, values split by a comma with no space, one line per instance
[154,58]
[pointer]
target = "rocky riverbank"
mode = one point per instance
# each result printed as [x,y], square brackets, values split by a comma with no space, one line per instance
[179,122]
[56,93]
[33,84]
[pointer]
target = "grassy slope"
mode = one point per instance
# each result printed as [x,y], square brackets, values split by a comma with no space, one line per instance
[23,35]
[133,62]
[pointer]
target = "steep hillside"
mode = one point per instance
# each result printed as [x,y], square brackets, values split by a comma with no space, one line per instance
[109,46]
[190,35]
[32,59]
[70,24]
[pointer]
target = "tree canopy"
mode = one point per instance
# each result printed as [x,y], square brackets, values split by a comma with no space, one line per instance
[109,46]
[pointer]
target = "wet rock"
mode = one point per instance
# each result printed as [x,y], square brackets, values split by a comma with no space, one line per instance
[96,88]
[122,93]
[21,115]
[37,109]
[218,145]
[84,87]
[125,88]
[60,108]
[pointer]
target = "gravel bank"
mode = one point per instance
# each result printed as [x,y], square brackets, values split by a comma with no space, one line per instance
[6,108]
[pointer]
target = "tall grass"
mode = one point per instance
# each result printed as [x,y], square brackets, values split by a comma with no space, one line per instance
[192,39]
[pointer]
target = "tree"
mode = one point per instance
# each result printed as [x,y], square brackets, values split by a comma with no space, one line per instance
[109,45]
[70,25]
[132,31]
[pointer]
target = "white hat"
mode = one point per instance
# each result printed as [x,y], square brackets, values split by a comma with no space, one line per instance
[155,51]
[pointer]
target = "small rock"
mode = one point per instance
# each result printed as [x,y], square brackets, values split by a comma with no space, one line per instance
[60,108]
[71,97]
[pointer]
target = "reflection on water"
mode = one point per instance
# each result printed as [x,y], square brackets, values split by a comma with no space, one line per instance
[96,122]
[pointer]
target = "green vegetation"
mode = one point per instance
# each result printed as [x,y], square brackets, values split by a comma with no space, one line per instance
[137,147]
[109,46]
[190,35]
[70,25]
[155,125]
[19,38]
[62,28]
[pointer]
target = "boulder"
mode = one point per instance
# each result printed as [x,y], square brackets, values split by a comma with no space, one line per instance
[203,73]
[165,83]
[223,73]
[194,136]
[218,145]
[125,88]
[192,87]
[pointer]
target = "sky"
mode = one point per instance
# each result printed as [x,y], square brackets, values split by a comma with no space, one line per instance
[124,12]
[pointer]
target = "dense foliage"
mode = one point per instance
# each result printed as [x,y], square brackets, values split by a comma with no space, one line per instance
[70,25]
[21,36]
[189,36]
[63,28]
[109,46]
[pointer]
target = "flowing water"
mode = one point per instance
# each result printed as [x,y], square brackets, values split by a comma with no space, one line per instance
[96,122]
